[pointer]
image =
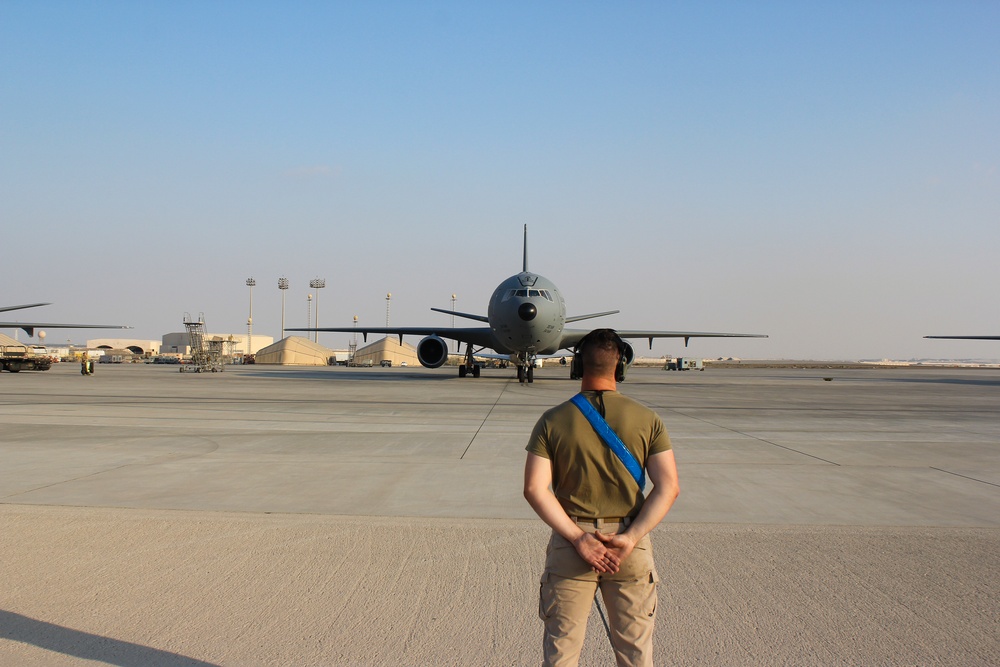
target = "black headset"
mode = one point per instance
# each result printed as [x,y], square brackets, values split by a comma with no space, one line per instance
[576,369]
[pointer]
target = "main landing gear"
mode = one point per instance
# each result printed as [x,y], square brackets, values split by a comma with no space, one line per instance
[464,370]
[470,365]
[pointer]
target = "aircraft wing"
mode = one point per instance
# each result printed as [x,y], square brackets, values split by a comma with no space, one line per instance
[966,337]
[29,327]
[470,316]
[4,309]
[573,336]
[478,336]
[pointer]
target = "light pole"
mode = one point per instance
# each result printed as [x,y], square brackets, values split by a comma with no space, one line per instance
[250,283]
[458,346]
[283,286]
[309,310]
[317,284]
[388,297]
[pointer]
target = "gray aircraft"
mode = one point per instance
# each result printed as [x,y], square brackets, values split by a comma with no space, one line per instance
[525,319]
[29,327]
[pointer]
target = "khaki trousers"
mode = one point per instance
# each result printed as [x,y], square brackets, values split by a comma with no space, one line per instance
[568,588]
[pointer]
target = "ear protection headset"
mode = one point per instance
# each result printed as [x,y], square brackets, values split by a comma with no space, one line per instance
[576,370]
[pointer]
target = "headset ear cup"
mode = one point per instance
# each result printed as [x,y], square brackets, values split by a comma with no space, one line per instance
[576,366]
[622,362]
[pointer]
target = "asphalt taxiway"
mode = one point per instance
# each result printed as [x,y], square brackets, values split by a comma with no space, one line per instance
[270,515]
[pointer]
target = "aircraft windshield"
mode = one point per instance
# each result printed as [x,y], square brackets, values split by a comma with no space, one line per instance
[525,293]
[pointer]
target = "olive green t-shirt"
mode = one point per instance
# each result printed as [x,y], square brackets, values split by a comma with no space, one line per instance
[587,478]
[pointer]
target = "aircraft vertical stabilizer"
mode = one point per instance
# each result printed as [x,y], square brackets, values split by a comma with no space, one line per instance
[525,267]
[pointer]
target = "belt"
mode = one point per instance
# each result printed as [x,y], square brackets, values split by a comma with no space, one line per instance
[602,520]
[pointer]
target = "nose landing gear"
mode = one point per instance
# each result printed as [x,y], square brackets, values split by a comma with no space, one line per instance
[526,371]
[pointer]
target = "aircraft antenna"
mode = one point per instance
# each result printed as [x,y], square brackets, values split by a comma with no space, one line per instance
[525,267]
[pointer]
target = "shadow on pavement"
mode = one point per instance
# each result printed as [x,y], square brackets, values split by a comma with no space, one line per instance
[87,646]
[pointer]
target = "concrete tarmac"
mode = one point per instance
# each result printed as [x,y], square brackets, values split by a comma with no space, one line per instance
[296,516]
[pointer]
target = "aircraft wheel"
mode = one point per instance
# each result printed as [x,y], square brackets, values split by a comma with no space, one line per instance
[475,371]
[462,370]
[520,373]
[531,373]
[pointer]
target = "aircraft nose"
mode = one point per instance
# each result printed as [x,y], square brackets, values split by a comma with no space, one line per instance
[527,311]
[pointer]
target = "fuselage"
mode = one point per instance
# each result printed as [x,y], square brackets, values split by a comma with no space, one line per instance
[527,315]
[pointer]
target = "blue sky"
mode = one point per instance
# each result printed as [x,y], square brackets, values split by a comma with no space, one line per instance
[825,173]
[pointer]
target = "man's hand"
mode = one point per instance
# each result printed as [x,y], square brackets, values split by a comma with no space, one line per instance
[618,546]
[591,549]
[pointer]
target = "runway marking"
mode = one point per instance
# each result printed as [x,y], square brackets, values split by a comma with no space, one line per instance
[754,437]
[485,419]
[973,479]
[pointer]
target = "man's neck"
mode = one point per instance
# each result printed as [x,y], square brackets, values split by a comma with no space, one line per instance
[599,383]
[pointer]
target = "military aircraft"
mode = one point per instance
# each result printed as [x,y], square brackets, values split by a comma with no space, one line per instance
[29,327]
[525,318]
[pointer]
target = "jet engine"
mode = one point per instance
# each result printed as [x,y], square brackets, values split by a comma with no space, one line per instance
[432,352]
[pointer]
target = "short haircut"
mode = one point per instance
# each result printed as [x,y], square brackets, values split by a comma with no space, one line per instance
[601,350]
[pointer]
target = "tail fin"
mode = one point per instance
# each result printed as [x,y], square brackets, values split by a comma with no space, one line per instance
[525,267]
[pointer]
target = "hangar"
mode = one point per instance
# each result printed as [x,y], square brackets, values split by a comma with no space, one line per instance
[135,346]
[387,349]
[295,351]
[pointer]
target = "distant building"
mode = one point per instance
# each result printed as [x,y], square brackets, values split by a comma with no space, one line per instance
[294,351]
[180,343]
[134,345]
[387,349]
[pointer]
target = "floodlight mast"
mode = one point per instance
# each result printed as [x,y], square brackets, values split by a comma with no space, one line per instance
[283,286]
[317,284]
[250,283]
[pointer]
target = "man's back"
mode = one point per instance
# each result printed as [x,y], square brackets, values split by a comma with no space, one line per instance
[587,477]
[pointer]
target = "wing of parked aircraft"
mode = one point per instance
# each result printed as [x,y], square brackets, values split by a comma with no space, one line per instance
[526,318]
[966,337]
[29,327]
[477,336]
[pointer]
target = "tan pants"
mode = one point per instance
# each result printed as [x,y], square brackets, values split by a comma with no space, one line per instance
[567,594]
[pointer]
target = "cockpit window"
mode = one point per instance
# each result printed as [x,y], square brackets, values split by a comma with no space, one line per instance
[525,293]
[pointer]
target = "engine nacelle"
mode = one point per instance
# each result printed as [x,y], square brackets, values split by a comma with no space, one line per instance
[432,352]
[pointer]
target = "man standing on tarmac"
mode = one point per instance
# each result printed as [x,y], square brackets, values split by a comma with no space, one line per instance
[593,499]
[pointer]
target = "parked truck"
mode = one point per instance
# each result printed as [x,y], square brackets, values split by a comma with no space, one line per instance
[685,364]
[15,358]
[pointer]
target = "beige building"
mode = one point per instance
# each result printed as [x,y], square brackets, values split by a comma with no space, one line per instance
[387,349]
[295,351]
[134,345]
[180,342]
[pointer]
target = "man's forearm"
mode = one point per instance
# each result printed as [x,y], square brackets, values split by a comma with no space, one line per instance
[662,470]
[659,502]
[549,510]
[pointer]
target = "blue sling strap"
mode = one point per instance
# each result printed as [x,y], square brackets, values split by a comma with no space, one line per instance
[611,439]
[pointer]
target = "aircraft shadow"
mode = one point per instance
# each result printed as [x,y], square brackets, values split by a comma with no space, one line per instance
[87,646]
[401,375]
